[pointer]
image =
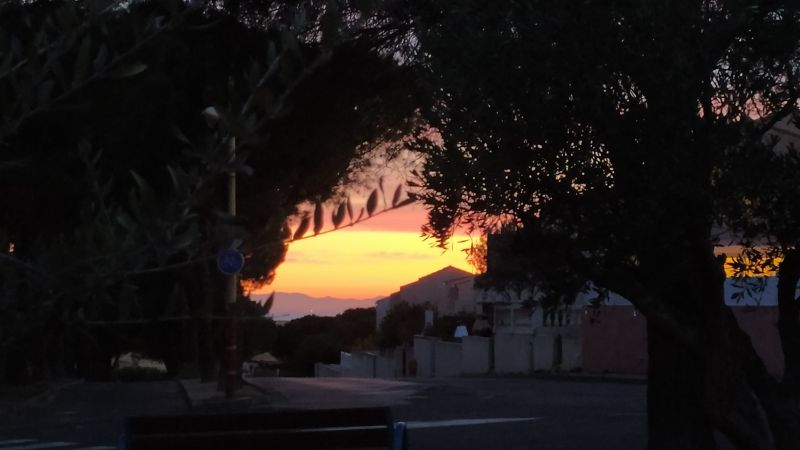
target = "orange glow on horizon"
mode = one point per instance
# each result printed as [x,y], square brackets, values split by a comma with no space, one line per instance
[361,264]
[366,261]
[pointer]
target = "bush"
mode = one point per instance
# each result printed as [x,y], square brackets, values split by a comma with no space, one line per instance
[401,324]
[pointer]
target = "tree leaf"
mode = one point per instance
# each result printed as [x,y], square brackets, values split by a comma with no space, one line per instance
[396,196]
[45,90]
[127,71]
[350,209]
[319,210]
[302,228]
[268,303]
[125,221]
[99,62]
[338,216]
[372,202]
[82,61]
[184,240]
[179,135]
[142,184]
[405,202]
[16,46]
[286,232]
[174,177]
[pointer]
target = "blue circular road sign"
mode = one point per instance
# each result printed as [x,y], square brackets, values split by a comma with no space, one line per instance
[230,261]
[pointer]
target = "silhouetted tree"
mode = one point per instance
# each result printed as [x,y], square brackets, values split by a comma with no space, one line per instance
[602,130]
[312,339]
[401,324]
[764,217]
[115,125]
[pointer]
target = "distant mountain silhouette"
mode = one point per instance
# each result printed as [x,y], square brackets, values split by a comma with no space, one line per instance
[291,305]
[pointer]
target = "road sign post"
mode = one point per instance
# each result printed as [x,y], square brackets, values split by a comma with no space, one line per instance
[230,262]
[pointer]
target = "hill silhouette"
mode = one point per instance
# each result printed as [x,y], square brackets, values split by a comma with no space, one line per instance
[291,305]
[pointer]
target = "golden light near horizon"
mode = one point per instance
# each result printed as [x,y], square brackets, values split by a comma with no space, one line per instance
[368,263]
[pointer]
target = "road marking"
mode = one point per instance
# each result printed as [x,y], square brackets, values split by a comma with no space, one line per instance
[412,425]
[97,447]
[43,445]
[16,441]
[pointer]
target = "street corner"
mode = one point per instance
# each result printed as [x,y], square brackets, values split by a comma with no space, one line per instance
[208,396]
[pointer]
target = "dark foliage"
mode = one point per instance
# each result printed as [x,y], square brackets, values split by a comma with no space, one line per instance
[604,131]
[401,324]
[116,127]
[311,339]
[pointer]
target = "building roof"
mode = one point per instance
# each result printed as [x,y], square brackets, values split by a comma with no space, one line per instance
[460,280]
[450,272]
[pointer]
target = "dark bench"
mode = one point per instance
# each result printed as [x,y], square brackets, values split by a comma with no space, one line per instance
[278,430]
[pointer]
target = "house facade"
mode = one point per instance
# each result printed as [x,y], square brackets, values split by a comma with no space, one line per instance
[449,290]
[610,337]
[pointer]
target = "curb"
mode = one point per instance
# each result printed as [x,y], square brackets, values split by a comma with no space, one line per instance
[588,378]
[51,391]
[273,396]
[591,378]
[258,396]
[184,394]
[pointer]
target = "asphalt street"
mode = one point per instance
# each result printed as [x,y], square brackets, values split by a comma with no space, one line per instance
[84,415]
[489,413]
[459,413]
[570,415]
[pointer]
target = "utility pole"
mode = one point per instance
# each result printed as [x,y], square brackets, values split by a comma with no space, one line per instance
[231,292]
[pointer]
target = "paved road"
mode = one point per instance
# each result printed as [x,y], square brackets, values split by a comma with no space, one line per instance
[477,413]
[459,414]
[315,393]
[87,415]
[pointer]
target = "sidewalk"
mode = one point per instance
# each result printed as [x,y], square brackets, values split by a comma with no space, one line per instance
[206,397]
[90,412]
[589,377]
[16,399]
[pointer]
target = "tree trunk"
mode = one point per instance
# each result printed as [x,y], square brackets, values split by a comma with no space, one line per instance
[779,411]
[789,320]
[675,414]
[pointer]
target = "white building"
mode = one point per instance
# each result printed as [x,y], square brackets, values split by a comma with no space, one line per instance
[613,336]
[449,290]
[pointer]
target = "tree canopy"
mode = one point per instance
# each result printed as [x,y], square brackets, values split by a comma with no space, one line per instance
[606,131]
[117,125]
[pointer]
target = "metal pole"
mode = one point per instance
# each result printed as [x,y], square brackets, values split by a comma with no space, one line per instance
[231,291]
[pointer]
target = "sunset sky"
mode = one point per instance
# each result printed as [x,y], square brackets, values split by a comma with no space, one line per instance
[371,259]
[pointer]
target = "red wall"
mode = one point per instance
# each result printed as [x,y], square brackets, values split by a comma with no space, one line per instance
[761,324]
[615,340]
